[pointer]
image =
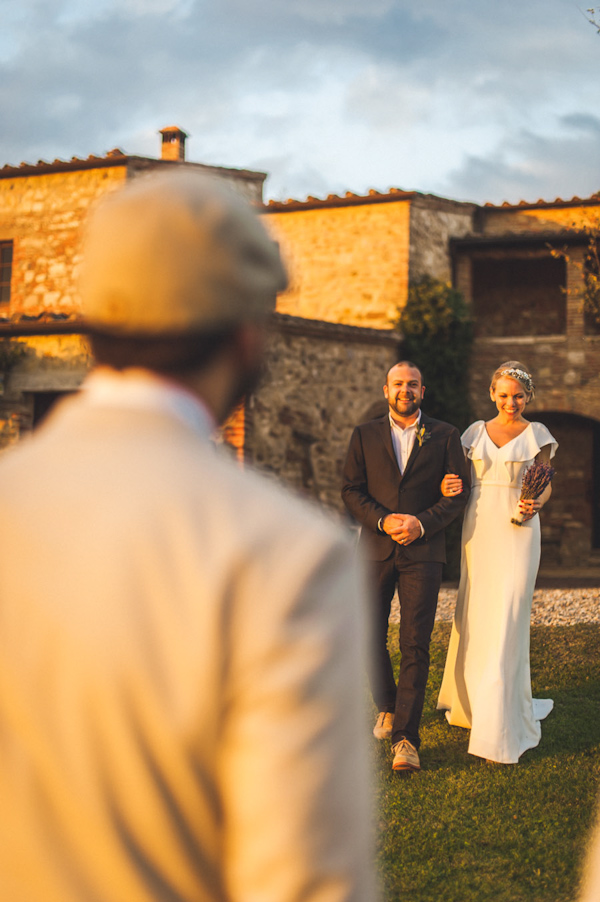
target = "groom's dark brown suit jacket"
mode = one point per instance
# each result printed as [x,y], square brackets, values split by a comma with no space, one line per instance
[373,486]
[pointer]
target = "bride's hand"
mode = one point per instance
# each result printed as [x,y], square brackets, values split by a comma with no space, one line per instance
[530,508]
[451,485]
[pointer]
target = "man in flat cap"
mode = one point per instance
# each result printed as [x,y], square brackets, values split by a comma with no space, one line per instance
[180,707]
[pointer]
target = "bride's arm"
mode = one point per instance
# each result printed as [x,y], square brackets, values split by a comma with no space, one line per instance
[452,483]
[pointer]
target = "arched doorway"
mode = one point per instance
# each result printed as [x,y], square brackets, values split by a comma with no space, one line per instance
[571,522]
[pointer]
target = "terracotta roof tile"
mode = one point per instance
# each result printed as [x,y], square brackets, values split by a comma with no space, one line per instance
[558,201]
[341,200]
[351,198]
[115,157]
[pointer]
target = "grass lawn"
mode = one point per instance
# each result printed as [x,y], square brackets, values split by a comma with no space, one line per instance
[463,829]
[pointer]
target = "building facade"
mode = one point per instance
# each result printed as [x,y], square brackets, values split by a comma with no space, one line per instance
[521,269]
[334,335]
[43,208]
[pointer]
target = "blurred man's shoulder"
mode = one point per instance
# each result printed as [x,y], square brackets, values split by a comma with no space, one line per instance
[268,493]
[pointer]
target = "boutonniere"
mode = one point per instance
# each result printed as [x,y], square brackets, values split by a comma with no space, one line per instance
[422,436]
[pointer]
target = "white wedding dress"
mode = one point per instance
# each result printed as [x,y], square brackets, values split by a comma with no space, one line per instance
[487,685]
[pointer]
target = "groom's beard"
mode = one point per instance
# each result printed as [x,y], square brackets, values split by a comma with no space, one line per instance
[405,408]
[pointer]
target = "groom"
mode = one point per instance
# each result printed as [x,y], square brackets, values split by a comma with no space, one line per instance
[391,485]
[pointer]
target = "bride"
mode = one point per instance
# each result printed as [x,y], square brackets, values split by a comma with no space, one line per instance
[487,685]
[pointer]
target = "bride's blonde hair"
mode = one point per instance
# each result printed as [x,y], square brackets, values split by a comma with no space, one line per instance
[514,369]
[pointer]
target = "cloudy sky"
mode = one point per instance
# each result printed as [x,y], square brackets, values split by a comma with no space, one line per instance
[484,100]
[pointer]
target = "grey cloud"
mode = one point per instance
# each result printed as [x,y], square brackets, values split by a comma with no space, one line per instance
[530,167]
[581,122]
[382,100]
[322,12]
[83,76]
[291,178]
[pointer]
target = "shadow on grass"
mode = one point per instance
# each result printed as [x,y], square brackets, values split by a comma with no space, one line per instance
[463,829]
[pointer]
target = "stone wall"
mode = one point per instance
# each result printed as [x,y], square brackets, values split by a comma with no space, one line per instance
[43,212]
[433,221]
[46,365]
[43,216]
[247,183]
[321,380]
[527,220]
[568,527]
[347,264]
[566,371]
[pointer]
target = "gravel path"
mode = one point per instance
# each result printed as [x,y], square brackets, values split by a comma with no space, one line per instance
[551,607]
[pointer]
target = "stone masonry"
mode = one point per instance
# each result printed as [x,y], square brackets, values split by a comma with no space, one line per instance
[43,208]
[321,379]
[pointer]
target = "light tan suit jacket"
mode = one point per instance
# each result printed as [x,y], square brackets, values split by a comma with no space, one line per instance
[181,698]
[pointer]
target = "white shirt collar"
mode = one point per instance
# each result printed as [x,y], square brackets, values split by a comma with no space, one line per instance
[396,425]
[144,390]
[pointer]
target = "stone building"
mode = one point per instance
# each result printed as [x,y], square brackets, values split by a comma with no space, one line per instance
[351,260]
[521,269]
[321,379]
[42,210]
[43,353]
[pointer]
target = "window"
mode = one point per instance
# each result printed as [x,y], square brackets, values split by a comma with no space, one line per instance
[6,256]
[519,295]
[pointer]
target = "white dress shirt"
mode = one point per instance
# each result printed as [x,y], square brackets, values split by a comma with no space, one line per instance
[403,440]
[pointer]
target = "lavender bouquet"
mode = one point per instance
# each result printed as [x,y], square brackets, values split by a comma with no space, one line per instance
[535,479]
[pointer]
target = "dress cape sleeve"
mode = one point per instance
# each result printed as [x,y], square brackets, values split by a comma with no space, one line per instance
[472,439]
[544,437]
[529,444]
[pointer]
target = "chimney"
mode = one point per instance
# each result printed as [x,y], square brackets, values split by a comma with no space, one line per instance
[173,144]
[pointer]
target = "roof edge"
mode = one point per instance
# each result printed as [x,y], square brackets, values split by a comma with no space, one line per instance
[350,199]
[118,158]
[575,201]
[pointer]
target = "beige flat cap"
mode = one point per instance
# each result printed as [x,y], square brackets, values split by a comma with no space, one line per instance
[175,252]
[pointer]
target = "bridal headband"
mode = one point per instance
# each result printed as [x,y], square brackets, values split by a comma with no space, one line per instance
[520,376]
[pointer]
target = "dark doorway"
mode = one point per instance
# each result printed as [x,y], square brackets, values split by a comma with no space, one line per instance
[571,521]
[43,402]
[519,295]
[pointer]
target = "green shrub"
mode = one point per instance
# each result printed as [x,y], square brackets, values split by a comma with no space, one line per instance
[438,336]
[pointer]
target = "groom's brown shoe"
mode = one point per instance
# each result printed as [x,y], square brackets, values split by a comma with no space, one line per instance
[383,725]
[406,756]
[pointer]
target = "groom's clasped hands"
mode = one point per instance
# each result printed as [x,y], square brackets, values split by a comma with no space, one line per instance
[402,528]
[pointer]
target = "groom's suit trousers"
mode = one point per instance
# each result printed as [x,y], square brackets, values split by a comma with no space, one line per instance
[418,586]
